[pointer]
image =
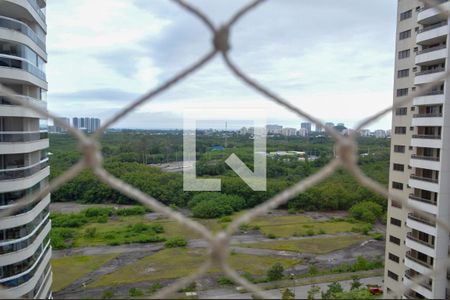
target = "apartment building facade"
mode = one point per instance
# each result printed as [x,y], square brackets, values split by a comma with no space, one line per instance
[25,249]
[420,156]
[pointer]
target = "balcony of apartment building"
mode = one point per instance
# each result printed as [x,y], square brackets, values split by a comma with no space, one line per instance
[423,287]
[434,97]
[21,135]
[424,200]
[430,14]
[426,175]
[419,261]
[432,54]
[421,241]
[28,94]
[428,115]
[430,73]
[21,70]
[433,33]
[22,171]
[30,10]
[21,278]
[33,38]
[426,158]
[411,294]
[18,166]
[422,222]
[427,137]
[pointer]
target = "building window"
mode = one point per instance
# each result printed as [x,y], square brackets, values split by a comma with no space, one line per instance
[404,54]
[402,92]
[396,204]
[396,222]
[403,73]
[394,240]
[397,185]
[394,258]
[399,149]
[401,111]
[405,34]
[393,275]
[400,130]
[399,167]
[406,15]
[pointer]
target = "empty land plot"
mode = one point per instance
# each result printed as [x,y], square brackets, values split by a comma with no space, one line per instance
[314,245]
[297,225]
[71,268]
[176,263]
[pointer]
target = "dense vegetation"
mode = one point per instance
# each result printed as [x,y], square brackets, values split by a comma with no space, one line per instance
[127,156]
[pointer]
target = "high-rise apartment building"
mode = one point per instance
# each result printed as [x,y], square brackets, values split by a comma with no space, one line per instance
[306,126]
[25,249]
[420,155]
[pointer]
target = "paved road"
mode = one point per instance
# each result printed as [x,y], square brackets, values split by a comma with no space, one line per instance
[301,292]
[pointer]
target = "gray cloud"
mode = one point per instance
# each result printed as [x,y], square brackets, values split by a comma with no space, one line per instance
[106,94]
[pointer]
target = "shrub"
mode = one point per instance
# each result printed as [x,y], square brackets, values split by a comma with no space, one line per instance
[214,205]
[275,272]
[226,219]
[177,242]
[378,236]
[132,211]
[61,238]
[107,294]
[322,231]
[292,211]
[158,228]
[98,211]
[68,220]
[90,232]
[310,232]
[222,280]
[190,288]
[154,288]
[366,211]
[313,270]
[135,292]
[271,236]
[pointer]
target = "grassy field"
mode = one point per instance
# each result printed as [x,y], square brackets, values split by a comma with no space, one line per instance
[298,225]
[71,268]
[313,245]
[175,263]
[275,226]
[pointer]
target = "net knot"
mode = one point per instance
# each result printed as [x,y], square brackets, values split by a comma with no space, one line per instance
[221,39]
[91,151]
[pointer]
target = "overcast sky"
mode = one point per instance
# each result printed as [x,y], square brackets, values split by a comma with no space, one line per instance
[334,59]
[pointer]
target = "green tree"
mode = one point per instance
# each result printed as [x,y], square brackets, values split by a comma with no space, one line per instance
[288,294]
[275,272]
[314,289]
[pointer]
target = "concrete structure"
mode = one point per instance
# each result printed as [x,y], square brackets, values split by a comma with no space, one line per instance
[289,131]
[274,129]
[365,133]
[380,134]
[303,132]
[307,126]
[420,155]
[89,125]
[25,249]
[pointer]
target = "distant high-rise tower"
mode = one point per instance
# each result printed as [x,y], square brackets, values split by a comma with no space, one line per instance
[306,126]
[76,122]
[420,155]
[25,250]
